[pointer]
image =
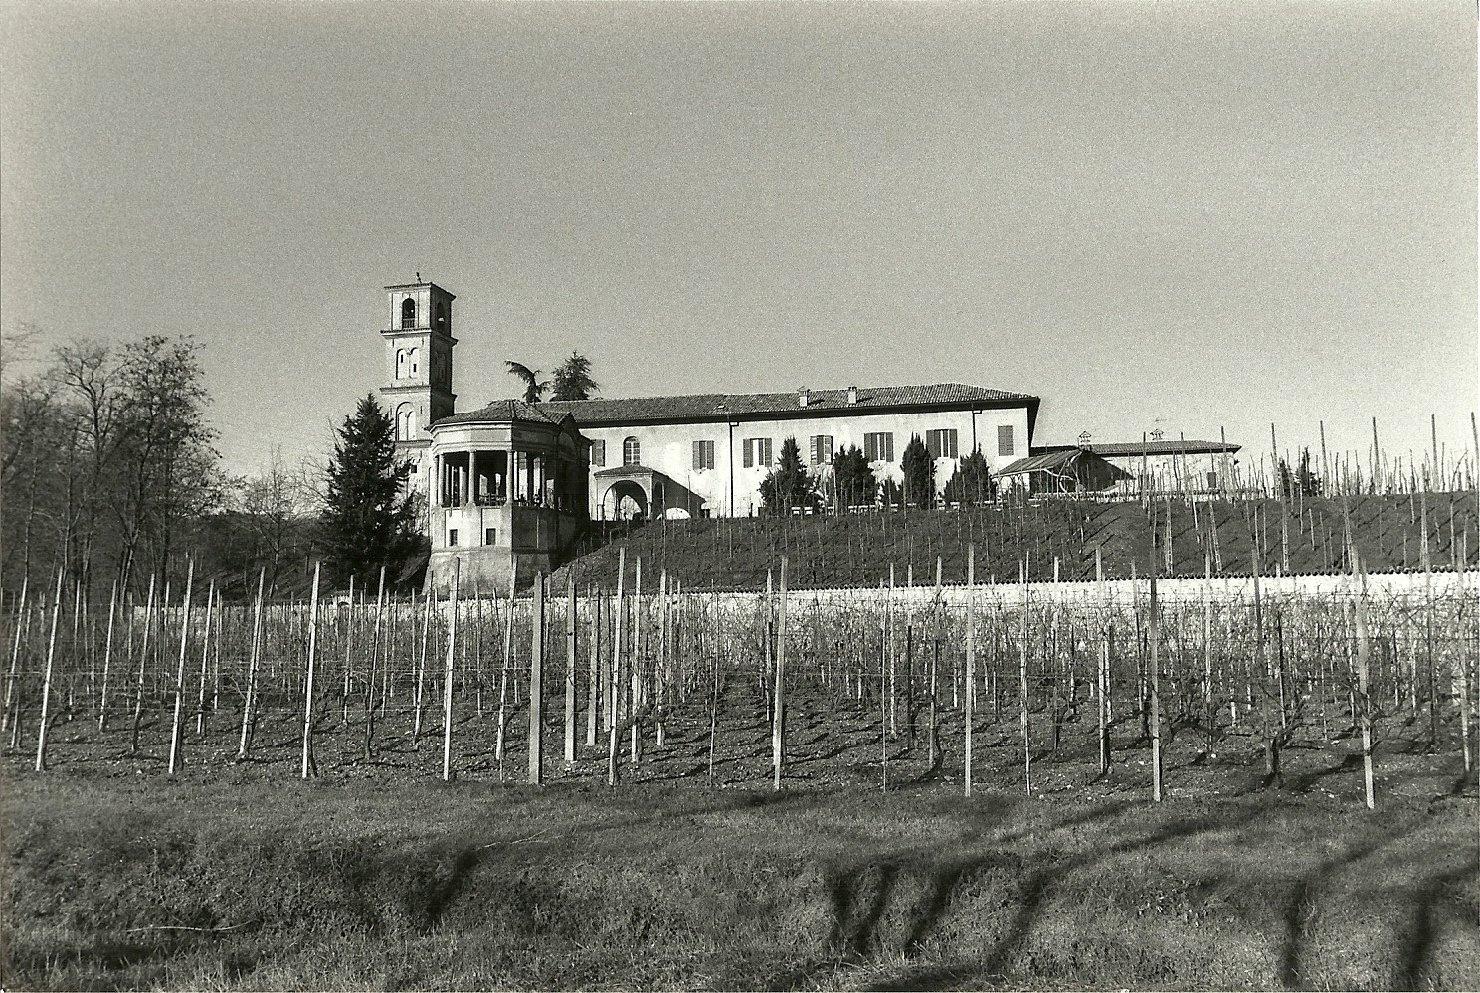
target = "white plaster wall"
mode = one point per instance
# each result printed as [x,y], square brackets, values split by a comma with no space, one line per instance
[669,448]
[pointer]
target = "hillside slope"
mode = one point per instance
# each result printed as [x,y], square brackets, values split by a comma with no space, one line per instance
[857,550]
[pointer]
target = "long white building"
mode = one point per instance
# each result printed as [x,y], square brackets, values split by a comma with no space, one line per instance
[705,455]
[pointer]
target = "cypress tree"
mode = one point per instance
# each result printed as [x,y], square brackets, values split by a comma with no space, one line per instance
[788,485]
[918,469]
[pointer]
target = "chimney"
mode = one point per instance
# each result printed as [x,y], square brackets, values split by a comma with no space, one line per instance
[804,397]
[852,395]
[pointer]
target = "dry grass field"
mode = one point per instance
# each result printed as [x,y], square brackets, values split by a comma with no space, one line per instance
[237,875]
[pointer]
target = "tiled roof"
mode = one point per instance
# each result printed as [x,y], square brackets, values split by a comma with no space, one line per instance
[1161,447]
[630,469]
[1123,448]
[503,410]
[719,406]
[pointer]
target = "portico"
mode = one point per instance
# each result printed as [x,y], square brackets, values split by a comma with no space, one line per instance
[510,493]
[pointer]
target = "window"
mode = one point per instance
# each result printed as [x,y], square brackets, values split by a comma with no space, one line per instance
[822,449]
[703,455]
[942,443]
[755,452]
[452,537]
[489,534]
[631,451]
[879,446]
[405,422]
[406,363]
[1212,480]
[598,453]
[1005,442]
[408,313]
[441,316]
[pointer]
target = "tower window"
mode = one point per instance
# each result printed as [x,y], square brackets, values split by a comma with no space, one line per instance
[441,316]
[406,363]
[631,451]
[405,422]
[408,313]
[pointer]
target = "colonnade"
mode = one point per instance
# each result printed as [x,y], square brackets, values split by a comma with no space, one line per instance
[484,477]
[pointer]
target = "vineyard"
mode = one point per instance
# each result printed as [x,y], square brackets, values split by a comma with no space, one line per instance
[960,773]
[986,684]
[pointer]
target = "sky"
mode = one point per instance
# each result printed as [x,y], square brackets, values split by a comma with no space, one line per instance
[1194,217]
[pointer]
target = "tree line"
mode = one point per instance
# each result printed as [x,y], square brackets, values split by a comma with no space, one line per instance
[110,472]
[789,486]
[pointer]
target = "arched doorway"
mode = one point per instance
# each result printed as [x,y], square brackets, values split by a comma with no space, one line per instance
[625,501]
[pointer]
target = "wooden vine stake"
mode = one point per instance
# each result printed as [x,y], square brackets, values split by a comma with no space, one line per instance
[1364,654]
[418,703]
[1461,662]
[309,767]
[1103,675]
[503,680]
[570,671]
[1023,679]
[593,667]
[180,671]
[970,694]
[537,683]
[447,676]
[22,623]
[107,651]
[634,691]
[205,664]
[143,661]
[1153,635]
[778,724]
[252,662]
[613,774]
[51,649]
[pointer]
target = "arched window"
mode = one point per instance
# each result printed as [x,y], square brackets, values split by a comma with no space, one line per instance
[631,451]
[403,356]
[441,316]
[405,422]
[408,313]
[411,363]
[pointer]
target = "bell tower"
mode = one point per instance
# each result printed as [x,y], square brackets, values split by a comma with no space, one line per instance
[418,372]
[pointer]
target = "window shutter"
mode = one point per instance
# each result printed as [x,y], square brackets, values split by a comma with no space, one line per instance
[747,457]
[698,455]
[1005,444]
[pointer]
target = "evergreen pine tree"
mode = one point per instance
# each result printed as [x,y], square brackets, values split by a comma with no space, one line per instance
[573,379]
[369,520]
